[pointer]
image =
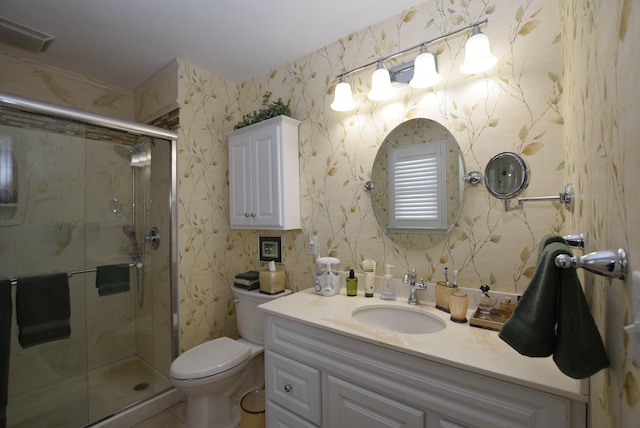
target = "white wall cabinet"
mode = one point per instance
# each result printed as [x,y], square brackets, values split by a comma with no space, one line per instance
[264,175]
[317,378]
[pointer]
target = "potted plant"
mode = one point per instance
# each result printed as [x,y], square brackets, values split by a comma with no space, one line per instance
[268,110]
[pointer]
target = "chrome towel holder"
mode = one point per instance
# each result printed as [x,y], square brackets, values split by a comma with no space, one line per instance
[609,263]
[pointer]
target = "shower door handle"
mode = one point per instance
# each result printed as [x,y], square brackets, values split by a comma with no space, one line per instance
[154,238]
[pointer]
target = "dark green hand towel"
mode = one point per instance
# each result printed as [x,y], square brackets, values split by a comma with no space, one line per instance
[112,279]
[549,239]
[553,317]
[43,309]
[579,351]
[531,329]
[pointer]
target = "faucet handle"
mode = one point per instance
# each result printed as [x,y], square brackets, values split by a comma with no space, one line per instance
[410,277]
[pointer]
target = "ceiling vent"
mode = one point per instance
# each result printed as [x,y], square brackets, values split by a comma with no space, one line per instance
[23,37]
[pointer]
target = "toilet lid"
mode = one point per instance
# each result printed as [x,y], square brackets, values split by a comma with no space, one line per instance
[209,359]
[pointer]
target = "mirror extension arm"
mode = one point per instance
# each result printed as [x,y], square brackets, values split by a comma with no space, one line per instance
[567,198]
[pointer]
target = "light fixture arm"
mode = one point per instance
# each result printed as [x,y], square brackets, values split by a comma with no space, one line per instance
[475,26]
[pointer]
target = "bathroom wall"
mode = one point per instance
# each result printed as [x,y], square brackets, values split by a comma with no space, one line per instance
[514,107]
[601,128]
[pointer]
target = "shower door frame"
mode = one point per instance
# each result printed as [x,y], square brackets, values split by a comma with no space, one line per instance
[33,106]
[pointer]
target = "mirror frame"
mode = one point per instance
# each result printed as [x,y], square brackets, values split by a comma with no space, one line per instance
[405,134]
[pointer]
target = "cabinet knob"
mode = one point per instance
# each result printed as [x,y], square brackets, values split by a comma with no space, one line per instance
[253,214]
[247,215]
[288,388]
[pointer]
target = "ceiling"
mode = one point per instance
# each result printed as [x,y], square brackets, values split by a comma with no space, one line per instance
[124,42]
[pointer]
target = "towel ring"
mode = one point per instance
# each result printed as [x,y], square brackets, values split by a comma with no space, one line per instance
[609,263]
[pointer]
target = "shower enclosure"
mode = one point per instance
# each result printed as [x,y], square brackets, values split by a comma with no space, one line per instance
[92,198]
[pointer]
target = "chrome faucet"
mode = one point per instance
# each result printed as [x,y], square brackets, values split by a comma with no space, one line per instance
[410,278]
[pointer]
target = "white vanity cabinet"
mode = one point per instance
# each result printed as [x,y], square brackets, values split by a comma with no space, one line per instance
[264,175]
[317,378]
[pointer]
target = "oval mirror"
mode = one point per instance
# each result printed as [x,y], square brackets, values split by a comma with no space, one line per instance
[506,175]
[410,133]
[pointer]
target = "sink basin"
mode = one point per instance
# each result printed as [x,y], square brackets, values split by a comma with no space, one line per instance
[397,319]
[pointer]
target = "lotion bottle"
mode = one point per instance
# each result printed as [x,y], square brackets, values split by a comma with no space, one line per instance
[369,266]
[387,289]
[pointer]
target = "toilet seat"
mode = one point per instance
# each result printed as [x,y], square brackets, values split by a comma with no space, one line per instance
[209,359]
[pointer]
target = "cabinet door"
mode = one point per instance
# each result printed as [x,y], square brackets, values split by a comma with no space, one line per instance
[240,181]
[266,167]
[356,407]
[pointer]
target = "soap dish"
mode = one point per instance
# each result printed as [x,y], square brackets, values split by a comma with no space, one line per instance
[491,321]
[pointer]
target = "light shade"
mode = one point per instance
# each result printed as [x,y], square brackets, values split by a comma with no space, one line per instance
[343,99]
[425,73]
[477,55]
[381,88]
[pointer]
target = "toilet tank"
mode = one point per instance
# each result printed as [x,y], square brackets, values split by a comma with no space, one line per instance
[250,319]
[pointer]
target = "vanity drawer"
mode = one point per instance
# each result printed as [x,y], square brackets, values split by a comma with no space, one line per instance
[277,417]
[293,385]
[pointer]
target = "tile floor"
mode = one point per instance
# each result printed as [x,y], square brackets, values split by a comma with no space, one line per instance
[173,417]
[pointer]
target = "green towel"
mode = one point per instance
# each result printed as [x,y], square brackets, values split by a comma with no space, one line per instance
[112,279]
[579,351]
[531,329]
[43,309]
[548,239]
[553,317]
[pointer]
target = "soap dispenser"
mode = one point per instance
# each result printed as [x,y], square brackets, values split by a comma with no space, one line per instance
[387,289]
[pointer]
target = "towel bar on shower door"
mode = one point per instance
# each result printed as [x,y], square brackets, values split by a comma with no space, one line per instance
[610,263]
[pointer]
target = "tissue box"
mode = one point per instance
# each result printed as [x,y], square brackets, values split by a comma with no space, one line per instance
[272,282]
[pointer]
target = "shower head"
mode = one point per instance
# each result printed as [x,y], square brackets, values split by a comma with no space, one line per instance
[139,146]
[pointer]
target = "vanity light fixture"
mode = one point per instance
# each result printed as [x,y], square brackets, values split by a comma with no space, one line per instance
[343,100]
[381,88]
[420,73]
[425,73]
[477,53]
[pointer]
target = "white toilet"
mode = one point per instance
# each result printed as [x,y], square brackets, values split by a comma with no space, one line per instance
[214,375]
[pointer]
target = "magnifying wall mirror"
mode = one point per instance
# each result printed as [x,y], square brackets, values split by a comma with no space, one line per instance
[506,175]
[409,134]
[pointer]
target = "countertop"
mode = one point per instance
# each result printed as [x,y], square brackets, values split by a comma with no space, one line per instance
[458,345]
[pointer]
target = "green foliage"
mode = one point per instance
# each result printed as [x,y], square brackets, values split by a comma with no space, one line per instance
[267,111]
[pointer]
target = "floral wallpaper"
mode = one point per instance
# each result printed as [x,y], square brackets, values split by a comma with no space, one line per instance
[514,107]
[601,128]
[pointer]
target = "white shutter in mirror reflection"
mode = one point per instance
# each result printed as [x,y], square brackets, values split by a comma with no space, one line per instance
[417,187]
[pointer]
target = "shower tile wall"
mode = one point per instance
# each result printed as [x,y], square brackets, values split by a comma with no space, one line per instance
[50,239]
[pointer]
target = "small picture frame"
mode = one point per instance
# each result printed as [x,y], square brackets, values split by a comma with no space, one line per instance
[270,248]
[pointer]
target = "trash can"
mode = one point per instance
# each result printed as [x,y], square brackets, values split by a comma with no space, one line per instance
[253,413]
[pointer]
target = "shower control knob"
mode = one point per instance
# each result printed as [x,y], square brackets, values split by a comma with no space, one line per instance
[288,387]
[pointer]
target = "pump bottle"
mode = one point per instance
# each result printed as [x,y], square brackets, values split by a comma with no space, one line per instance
[387,288]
